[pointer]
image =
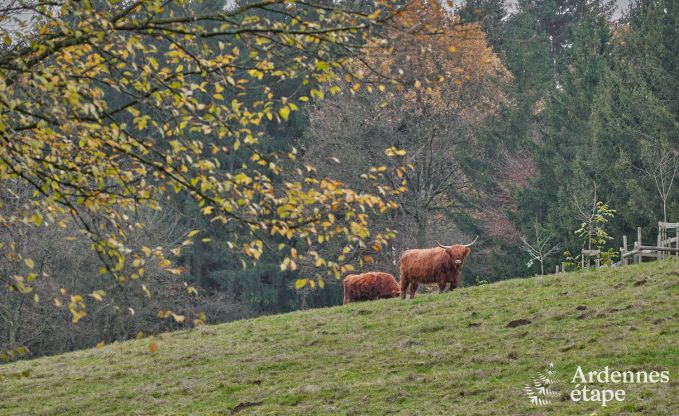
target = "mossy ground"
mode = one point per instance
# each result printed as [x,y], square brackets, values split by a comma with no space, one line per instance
[448,354]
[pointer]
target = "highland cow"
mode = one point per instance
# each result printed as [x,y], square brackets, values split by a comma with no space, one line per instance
[369,286]
[442,265]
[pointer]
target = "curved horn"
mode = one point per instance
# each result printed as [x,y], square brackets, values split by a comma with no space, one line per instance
[441,245]
[472,243]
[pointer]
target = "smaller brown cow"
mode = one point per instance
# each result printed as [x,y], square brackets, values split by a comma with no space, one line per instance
[369,286]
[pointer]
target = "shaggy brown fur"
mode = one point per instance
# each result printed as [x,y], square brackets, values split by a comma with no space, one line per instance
[369,286]
[432,265]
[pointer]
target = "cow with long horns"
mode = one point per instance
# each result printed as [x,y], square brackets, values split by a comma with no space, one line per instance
[442,265]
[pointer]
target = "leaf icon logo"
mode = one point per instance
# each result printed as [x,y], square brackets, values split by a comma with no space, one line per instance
[543,387]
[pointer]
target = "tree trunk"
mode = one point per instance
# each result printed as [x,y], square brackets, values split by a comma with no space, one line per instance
[421,233]
[12,338]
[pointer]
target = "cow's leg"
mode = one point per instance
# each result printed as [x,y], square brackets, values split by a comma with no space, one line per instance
[442,284]
[404,286]
[413,289]
[456,279]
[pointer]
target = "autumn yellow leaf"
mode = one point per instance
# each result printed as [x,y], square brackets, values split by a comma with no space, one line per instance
[284,112]
[98,295]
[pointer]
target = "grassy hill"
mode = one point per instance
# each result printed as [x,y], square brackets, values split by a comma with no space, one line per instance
[439,354]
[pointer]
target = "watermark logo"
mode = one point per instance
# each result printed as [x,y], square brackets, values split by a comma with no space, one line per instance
[601,386]
[543,388]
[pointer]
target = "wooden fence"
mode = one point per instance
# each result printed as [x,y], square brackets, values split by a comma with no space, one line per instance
[665,246]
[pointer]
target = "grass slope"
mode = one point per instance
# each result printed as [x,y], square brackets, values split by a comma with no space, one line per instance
[439,354]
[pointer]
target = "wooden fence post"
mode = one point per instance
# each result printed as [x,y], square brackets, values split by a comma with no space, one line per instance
[623,250]
[582,260]
[639,254]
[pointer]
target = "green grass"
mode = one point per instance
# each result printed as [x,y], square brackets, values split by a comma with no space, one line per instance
[445,354]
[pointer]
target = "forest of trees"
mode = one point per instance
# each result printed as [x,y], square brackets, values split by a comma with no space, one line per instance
[202,178]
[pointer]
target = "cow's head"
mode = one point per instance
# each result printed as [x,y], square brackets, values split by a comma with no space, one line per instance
[458,252]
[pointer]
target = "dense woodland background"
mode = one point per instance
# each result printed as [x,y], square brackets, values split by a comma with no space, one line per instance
[557,107]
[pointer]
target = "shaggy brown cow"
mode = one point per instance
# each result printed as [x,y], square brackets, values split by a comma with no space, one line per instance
[369,286]
[440,265]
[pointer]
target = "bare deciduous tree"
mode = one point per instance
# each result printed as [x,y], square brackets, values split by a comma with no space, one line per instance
[661,163]
[540,247]
[451,82]
[62,265]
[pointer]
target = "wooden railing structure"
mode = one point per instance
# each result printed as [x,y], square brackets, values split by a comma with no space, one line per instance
[588,254]
[665,245]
